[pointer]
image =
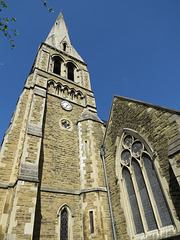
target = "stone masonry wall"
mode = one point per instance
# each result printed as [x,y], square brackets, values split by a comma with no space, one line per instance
[47,222]
[12,145]
[92,177]
[153,124]
[60,146]
[11,152]
[60,173]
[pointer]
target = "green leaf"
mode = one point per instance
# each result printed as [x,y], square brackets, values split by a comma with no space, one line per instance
[44,3]
[50,10]
[3,4]
[15,32]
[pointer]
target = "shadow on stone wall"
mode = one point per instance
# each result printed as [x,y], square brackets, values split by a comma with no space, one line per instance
[38,215]
[174,191]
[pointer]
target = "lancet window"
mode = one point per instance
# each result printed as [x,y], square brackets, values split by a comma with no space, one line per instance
[91,221]
[143,195]
[65,223]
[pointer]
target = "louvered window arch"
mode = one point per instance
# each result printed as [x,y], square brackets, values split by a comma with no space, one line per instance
[57,61]
[70,71]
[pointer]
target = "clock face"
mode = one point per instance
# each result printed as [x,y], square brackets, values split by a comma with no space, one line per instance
[66,105]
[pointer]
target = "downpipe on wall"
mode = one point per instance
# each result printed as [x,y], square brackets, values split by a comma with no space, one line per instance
[102,154]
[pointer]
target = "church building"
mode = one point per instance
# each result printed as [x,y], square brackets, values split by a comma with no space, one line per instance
[67,175]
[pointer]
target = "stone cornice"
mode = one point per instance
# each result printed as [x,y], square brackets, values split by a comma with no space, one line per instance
[45,73]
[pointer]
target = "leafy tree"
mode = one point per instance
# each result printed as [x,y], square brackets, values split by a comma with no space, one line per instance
[5,21]
[4,28]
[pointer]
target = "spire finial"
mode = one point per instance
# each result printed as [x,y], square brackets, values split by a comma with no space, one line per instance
[60,16]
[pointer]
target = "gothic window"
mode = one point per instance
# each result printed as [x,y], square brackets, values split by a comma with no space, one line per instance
[57,65]
[143,196]
[70,71]
[64,224]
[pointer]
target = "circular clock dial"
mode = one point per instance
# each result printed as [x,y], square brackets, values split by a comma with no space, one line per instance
[66,105]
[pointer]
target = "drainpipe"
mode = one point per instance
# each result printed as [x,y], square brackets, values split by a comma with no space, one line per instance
[102,153]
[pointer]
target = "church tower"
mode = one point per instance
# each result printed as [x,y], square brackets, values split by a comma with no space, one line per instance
[51,174]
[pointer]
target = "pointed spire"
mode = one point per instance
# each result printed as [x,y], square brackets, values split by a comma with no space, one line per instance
[58,34]
[59,37]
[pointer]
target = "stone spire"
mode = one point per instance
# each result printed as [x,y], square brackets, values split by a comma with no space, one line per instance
[59,38]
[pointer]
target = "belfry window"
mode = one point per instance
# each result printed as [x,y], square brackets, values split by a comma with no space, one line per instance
[143,195]
[57,65]
[70,71]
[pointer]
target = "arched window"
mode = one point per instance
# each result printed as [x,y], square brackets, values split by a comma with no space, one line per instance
[70,71]
[64,46]
[65,223]
[143,196]
[57,65]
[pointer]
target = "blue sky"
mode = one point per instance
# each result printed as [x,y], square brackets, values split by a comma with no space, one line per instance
[132,48]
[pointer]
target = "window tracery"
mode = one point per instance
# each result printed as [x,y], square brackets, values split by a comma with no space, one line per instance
[143,195]
[65,124]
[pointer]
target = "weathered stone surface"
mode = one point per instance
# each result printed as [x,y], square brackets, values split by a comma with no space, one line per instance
[87,115]
[153,124]
[28,172]
[39,91]
[174,145]
[34,129]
